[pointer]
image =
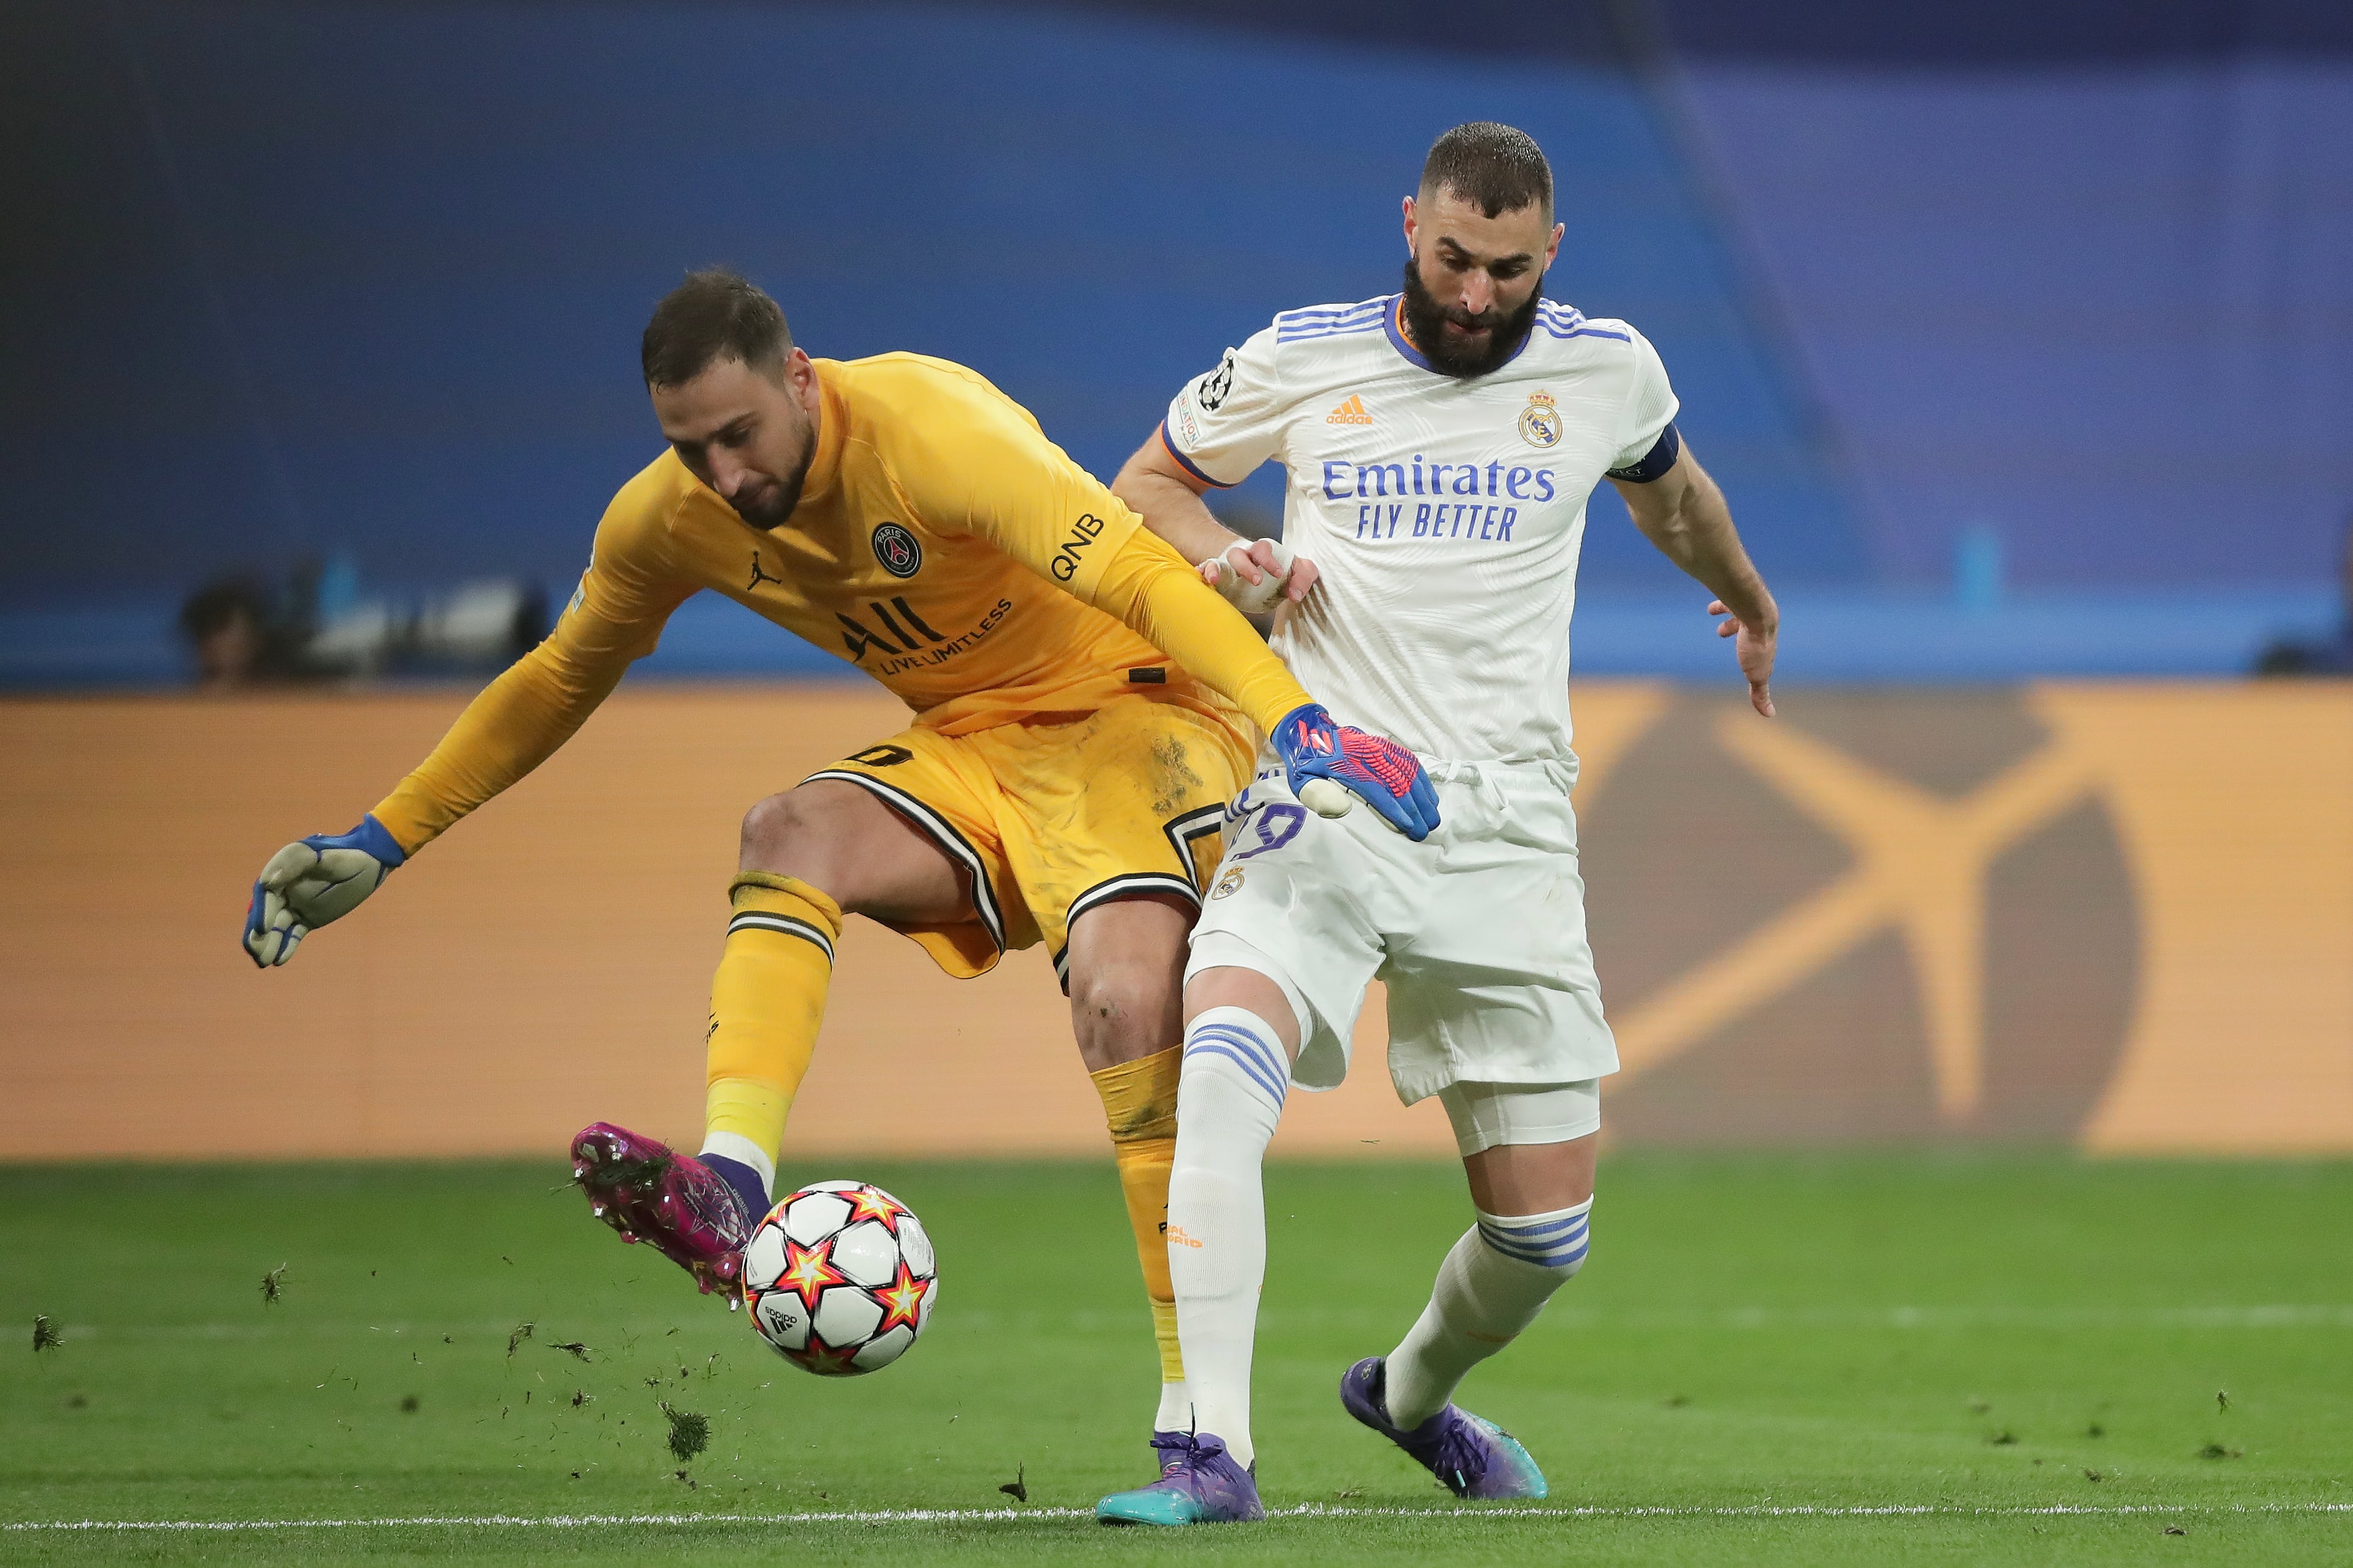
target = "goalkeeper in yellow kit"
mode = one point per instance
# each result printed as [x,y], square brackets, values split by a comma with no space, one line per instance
[1083,699]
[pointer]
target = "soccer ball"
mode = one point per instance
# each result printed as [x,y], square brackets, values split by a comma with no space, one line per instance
[839,1278]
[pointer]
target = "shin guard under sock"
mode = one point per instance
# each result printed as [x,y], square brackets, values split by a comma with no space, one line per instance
[766,1001]
[1139,1101]
[1235,1079]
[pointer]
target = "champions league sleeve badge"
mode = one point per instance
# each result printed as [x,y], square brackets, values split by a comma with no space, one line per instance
[897,550]
[1540,421]
[1211,393]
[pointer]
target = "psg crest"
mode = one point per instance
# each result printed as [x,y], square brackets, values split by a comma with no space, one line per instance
[1540,421]
[896,549]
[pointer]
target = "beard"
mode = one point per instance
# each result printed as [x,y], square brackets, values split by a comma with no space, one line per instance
[776,504]
[1426,319]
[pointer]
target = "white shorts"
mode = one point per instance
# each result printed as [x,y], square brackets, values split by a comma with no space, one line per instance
[1487,1114]
[1478,931]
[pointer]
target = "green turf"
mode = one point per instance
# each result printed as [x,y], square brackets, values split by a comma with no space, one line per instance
[1977,1336]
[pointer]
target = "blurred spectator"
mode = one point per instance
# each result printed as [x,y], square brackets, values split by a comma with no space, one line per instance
[246,635]
[237,634]
[2331,655]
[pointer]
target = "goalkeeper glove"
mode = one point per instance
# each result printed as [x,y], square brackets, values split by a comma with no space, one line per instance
[311,881]
[1326,763]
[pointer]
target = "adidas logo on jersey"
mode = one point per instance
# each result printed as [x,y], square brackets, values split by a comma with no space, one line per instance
[1349,413]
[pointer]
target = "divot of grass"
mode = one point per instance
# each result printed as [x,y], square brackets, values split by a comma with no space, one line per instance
[690,1434]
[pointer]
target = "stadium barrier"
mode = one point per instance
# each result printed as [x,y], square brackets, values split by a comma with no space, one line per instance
[2119,917]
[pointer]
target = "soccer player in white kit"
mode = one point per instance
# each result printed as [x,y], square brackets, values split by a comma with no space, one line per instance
[1441,443]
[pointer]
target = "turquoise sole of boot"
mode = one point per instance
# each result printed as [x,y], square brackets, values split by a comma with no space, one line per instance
[1530,1481]
[1158,1508]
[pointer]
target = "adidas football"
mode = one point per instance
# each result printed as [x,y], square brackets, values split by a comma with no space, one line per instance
[839,1278]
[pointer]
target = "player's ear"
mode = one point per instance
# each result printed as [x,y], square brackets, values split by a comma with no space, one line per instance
[1409,223]
[800,375]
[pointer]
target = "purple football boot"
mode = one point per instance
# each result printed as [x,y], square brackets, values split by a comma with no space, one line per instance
[1199,1484]
[1472,1457]
[649,1192]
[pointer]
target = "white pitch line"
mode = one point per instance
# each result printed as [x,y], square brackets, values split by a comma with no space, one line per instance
[2275,1315]
[1304,1510]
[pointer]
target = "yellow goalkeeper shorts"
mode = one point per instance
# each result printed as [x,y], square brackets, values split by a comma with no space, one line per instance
[1050,816]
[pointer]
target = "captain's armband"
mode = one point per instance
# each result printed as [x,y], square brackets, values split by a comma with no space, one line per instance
[1655,462]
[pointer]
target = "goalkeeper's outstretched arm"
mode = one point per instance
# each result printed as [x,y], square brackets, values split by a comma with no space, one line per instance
[515,724]
[518,722]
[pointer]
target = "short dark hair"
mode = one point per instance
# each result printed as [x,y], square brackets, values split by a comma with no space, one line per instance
[716,314]
[1501,169]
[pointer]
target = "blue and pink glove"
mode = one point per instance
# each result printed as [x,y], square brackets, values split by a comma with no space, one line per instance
[1327,763]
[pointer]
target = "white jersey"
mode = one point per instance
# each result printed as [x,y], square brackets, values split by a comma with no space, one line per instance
[1445,516]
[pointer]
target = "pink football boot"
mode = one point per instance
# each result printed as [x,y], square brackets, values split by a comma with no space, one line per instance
[649,1192]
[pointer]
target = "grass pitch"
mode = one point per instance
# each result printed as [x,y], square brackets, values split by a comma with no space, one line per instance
[1868,1359]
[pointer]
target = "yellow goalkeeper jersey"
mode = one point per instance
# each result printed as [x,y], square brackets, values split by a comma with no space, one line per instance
[942,544]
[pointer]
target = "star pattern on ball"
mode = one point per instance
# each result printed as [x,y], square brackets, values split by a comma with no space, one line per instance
[902,1300]
[808,1270]
[818,1357]
[871,1203]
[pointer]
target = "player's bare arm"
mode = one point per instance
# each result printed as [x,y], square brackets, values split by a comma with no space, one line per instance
[1684,513]
[1155,486]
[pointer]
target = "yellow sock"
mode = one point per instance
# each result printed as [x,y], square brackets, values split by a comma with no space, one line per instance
[1139,1105]
[766,1001]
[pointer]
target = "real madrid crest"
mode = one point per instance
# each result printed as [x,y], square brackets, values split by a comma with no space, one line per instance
[1540,421]
[1227,883]
[897,550]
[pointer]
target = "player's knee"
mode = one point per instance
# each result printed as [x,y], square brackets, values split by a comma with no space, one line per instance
[786,833]
[1124,1011]
[769,829]
[1125,999]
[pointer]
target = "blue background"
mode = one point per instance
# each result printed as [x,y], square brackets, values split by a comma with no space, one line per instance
[368,280]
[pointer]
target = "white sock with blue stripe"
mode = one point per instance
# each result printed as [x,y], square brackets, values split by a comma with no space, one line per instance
[1236,1077]
[1491,1287]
